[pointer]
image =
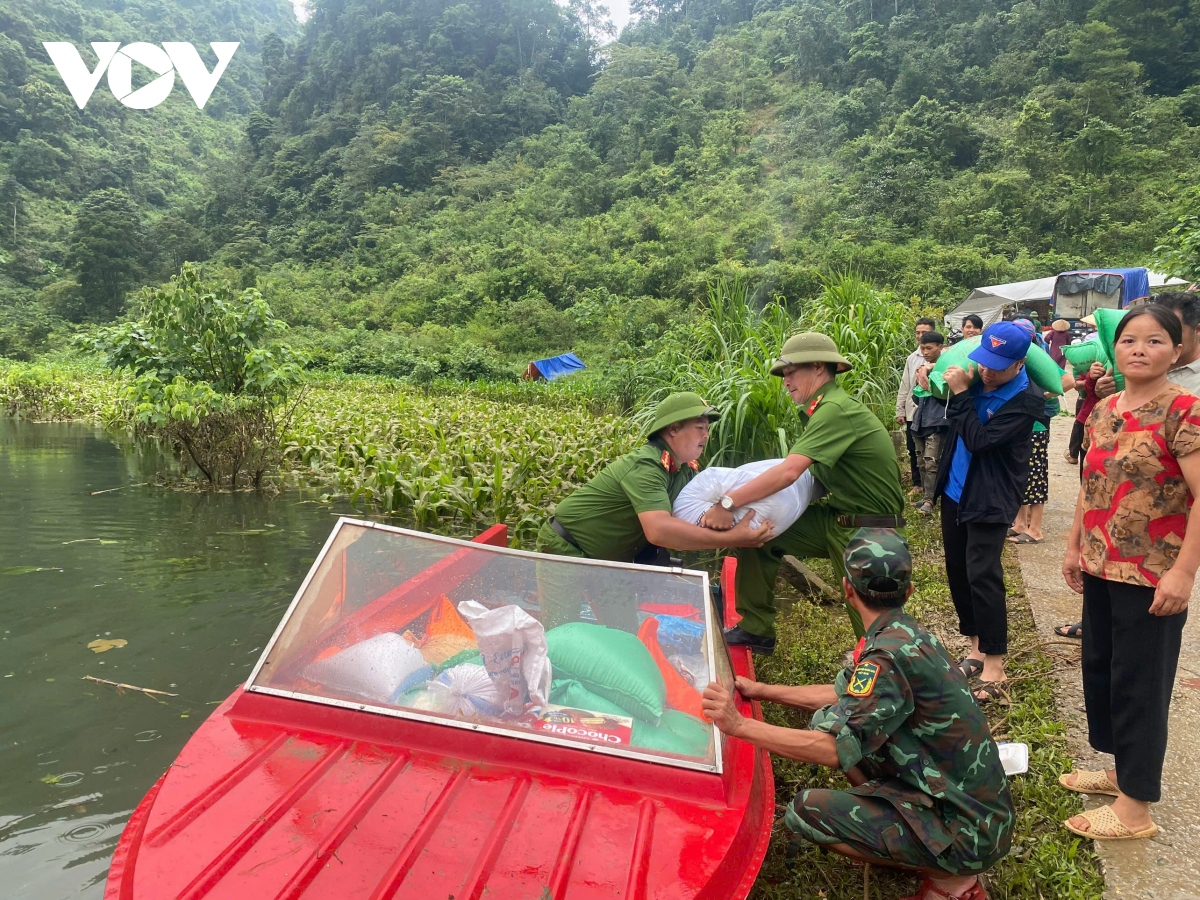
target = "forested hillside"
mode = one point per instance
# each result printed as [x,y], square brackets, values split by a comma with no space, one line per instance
[422,179]
[107,197]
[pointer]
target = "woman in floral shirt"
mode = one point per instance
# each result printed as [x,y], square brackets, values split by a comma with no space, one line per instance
[1134,558]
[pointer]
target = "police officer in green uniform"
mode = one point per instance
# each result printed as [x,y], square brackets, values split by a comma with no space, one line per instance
[624,513]
[929,793]
[852,458]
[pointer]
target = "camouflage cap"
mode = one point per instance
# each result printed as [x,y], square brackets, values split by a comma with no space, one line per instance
[878,565]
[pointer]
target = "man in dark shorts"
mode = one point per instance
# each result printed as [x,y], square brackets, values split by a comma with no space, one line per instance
[929,793]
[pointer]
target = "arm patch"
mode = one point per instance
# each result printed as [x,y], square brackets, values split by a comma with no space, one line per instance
[862,679]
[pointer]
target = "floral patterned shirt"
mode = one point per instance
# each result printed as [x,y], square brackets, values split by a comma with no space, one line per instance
[1135,499]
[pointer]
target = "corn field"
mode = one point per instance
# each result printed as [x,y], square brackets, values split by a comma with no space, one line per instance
[443,457]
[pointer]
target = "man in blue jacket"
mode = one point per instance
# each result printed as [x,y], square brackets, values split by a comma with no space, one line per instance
[981,479]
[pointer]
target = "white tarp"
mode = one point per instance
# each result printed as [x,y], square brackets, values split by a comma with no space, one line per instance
[990,302]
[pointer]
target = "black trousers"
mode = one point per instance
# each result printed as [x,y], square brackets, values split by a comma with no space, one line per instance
[913,459]
[1129,660]
[976,577]
[1075,447]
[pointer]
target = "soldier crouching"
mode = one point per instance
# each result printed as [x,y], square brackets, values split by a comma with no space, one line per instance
[928,791]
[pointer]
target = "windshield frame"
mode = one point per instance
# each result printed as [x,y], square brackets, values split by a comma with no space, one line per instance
[710,626]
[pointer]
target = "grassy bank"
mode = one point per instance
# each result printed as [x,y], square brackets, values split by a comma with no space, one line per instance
[1046,860]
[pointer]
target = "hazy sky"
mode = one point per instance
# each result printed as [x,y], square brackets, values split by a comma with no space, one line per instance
[618,12]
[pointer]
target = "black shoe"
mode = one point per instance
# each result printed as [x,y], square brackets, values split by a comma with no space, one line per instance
[736,637]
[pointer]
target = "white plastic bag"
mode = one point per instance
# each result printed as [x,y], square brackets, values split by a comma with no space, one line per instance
[709,486]
[513,646]
[372,669]
[464,690]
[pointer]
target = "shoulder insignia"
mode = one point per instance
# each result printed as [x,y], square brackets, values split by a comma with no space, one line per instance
[667,461]
[859,648]
[812,407]
[862,680]
[694,466]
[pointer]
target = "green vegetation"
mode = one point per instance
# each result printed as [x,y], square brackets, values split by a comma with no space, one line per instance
[210,377]
[1046,860]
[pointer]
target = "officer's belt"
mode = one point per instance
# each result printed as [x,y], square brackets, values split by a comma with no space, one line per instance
[869,521]
[561,529]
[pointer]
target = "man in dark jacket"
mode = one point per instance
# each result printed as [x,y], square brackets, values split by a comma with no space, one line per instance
[981,480]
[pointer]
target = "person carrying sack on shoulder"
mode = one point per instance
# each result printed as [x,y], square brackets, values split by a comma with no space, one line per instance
[849,452]
[623,514]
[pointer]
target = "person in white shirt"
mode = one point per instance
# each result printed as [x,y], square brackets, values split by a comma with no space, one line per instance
[906,407]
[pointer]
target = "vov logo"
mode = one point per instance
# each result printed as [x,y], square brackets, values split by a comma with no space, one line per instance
[164,61]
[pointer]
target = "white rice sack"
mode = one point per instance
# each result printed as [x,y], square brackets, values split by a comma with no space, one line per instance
[513,646]
[709,486]
[463,691]
[372,669]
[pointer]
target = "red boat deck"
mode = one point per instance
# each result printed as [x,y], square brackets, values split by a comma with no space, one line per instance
[280,798]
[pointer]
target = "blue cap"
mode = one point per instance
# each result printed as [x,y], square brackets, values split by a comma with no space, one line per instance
[1001,345]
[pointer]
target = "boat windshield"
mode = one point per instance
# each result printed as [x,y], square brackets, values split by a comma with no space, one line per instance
[602,657]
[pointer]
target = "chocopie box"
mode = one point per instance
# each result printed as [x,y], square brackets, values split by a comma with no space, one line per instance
[580,725]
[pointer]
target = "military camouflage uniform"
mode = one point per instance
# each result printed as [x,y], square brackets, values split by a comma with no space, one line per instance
[936,796]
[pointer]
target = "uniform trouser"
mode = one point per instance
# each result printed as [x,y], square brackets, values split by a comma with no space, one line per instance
[929,448]
[976,575]
[814,534]
[561,599]
[1129,662]
[913,459]
[874,828]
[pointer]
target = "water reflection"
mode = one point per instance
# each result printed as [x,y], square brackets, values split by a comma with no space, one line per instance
[90,549]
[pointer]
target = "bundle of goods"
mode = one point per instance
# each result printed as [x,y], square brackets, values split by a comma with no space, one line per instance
[709,486]
[1043,371]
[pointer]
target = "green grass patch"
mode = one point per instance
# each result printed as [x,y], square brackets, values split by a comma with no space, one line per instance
[1046,862]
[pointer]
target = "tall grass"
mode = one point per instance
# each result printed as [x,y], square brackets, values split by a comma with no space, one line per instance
[726,355]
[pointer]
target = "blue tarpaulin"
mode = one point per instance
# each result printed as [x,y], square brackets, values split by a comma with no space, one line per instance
[554,367]
[1136,283]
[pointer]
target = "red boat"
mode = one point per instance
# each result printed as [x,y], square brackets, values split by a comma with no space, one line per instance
[336,772]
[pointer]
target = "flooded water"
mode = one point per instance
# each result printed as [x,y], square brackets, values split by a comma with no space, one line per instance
[192,583]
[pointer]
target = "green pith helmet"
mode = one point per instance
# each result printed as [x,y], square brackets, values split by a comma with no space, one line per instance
[679,408]
[810,347]
[878,564]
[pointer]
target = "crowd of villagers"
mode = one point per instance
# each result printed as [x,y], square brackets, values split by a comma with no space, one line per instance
[904,720]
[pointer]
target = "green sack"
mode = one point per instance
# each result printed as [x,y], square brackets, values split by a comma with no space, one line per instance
[569,692]
[677,733]
[1043,370]
[614,664]
[1107,321]
[1081,356]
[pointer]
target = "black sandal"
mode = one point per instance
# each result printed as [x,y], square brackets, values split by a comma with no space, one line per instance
[1070,631]
[992,691]
[971,668]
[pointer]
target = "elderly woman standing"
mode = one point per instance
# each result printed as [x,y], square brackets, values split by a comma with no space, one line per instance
[1133,556]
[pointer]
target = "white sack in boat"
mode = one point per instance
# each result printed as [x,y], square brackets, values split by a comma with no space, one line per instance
[372,669]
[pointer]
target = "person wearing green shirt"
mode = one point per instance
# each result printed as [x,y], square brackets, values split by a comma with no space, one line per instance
[851,456]
[623,514]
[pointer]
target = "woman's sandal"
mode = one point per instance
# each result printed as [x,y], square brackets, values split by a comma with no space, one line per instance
[930,891]
[1074,630]
[1089,783]
[1023,538]
[1107,827]
[993,692]
[970,667]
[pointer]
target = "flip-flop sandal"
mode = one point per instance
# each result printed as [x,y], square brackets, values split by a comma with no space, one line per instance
[1025,539]
[1107,827]
[1089,783]
[970,667]
[993,692]
[1074,630]
[1012,532]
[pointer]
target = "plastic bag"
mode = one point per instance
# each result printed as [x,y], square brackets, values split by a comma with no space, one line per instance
[372,669]
[780,509]
[678,635]
[464,691]
[513,646]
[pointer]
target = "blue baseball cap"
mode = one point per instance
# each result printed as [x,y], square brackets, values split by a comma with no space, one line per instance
[1001,345]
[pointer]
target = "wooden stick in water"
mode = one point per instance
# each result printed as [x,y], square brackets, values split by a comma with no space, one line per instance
[131,687]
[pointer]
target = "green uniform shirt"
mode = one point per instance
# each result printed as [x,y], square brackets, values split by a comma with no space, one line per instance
[906,718]
[852,454]
[602,515]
